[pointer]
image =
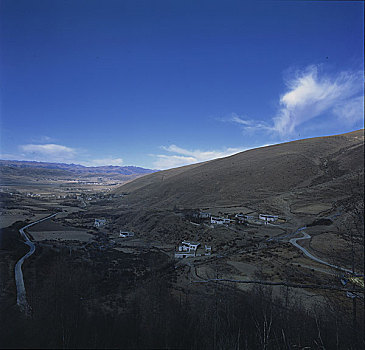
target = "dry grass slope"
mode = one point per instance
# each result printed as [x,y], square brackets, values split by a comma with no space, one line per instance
[253,175]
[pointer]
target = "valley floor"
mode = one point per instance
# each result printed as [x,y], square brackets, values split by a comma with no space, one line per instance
[131,292]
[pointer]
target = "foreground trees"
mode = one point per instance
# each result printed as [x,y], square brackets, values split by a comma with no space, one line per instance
[83,306]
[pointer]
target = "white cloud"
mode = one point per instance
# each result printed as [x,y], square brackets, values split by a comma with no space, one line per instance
[47,152]
[351,111]
[50,148]
[184,156]
[166,162]
[249,124]
[54,153]
[201,156]
[236,119]
[310,95]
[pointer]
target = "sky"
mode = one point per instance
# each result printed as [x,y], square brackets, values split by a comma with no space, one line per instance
[160,84]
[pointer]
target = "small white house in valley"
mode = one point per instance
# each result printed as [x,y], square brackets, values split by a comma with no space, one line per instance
[219,221]
[99,222]
[187,250]
[268,218]
[125,234]
[192,249]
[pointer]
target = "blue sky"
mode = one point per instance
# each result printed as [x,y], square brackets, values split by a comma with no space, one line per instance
[161,84]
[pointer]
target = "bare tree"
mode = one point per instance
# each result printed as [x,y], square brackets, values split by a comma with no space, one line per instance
[352,226]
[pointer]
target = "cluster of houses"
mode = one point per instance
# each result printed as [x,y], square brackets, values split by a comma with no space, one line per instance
[234,219]
[268,218]
[192,249]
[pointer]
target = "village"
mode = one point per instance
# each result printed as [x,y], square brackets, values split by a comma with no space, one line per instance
[188,249]
[202,236]
[240,218]
[194,249]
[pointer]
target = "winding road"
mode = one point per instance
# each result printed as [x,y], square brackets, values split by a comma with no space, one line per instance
[21,298]
[293,241]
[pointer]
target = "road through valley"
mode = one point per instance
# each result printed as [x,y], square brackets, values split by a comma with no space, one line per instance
[293,241]
[21,297]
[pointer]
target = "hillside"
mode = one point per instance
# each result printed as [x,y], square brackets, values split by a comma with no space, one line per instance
[289,172]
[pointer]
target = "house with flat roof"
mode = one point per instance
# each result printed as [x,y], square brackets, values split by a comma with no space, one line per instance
[192,249]
[219,220]
[187,250]
[125,234]
[268,218]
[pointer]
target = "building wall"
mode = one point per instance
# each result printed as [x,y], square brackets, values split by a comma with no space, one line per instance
[268,217]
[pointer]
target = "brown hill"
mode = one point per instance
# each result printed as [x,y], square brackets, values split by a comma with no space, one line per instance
[311,167]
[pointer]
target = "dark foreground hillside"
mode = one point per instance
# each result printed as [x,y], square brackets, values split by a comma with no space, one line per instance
[135,305]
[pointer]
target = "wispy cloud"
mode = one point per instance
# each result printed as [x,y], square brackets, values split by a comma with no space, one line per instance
[350,111]
[249,124]
[236,119]
[47,152]
[184,156]
[201,156]
[172,161]
[55,153]
[311,94]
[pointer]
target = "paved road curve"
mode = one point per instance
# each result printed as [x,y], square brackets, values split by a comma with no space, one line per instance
[293,241]
[21,298]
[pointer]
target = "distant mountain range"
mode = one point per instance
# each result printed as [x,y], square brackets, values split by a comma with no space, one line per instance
[13,171]
[110,169]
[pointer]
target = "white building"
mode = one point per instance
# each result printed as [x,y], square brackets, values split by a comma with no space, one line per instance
[125,234]
[187,250]
[99,222]
[268,218]
[219,221]
[189,246]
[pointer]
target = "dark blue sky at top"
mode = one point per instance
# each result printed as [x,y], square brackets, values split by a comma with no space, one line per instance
[120,79]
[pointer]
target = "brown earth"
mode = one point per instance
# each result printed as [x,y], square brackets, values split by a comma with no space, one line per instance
[312,171]
[301,181]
